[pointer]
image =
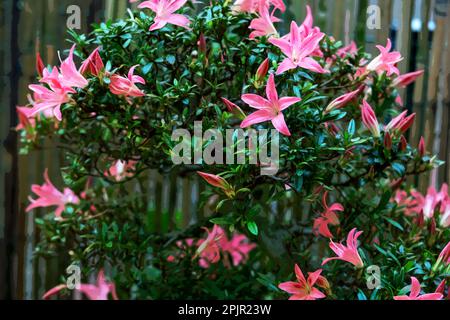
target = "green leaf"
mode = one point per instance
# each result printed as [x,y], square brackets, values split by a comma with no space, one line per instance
[373,296]
[394,223]
[170,59]
[351,127]
[252,227]
[222,221]
[398,168]
[361,295]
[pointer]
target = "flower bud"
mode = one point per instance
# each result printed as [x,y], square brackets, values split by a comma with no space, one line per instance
[403,143]
[369,119]
[261,73]
[201,44]
[39,64]
[387,141]
[422,150]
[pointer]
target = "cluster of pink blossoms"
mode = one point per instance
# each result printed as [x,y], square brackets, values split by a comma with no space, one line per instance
[59,83]
[217,245]
[47,99]
[426,207]
[300,46]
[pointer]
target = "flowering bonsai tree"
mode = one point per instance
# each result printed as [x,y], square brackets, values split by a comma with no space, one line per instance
[335,220]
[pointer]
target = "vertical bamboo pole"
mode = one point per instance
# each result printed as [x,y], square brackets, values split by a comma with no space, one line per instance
[172,200]
[338,23]
[186,201]
[431,94]
[360,32]
[386,18]
[419,96]
[440,122]
[8,213]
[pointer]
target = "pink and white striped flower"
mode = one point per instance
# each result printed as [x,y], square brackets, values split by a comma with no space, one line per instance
[370,119]
[401,123]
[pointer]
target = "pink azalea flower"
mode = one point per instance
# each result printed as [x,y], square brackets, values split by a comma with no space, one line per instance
[343,100]
[299,49]
[307,29]
[409,204]
[327,217]
[25,120]
[252,6]
[441,287]
[405,79]
[93,64]
[262,26]
[268,109]
[415,293]
[349,252]
[217,242]
[370,119]
[121,170]
[350,50]
[60,85]
[49,99]
[401,123]
[217,181]
[424,206]
[50,196]
[39,64]
[444,256]
[127,86]
[69,75]
[93,292]
[234,109]
[430,202]
[399,101]
[279,4]
[307,26]
[209,250]
[444,221]
[238,247]
[386,61]
[164,10]
[303,289]
[443,195]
